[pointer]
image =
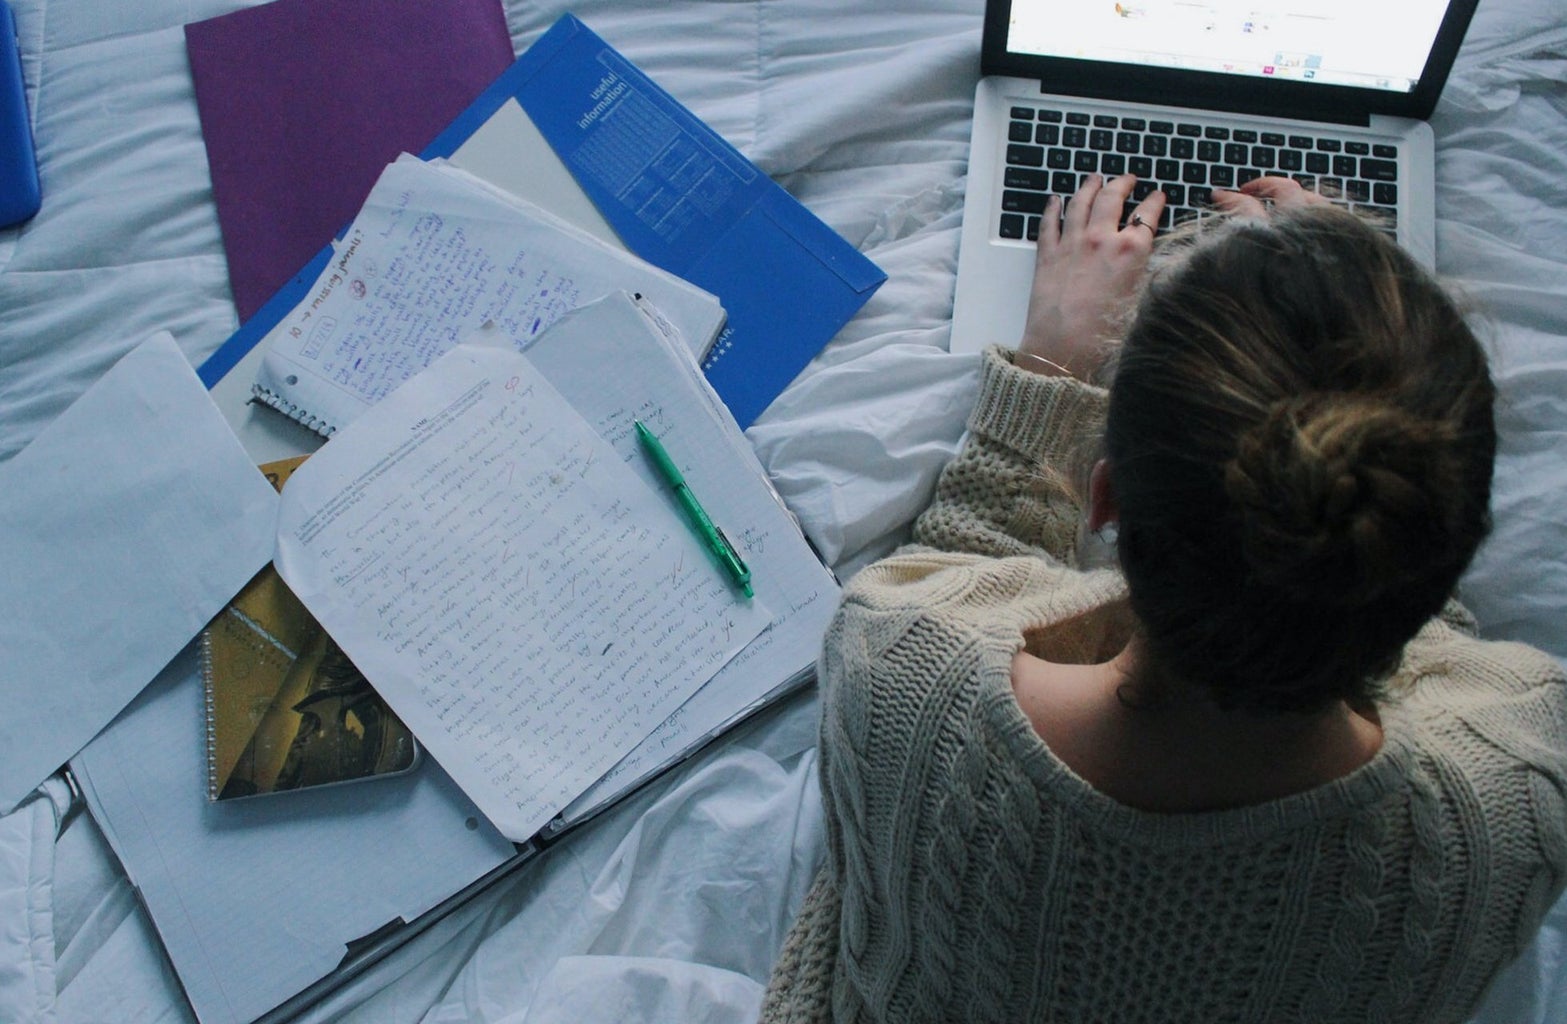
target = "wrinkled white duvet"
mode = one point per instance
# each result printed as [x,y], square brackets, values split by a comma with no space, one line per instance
[671,907]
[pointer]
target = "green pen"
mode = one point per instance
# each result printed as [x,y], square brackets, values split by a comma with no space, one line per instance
[709,534]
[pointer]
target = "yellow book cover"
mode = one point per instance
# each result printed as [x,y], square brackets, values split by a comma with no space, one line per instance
[286,709]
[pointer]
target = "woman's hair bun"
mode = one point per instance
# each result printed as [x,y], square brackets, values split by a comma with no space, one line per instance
[1343,497]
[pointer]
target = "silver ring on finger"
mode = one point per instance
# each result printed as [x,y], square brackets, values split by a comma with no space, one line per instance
[1136,221]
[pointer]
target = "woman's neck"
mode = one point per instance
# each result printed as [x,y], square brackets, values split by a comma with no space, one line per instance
[1182,752]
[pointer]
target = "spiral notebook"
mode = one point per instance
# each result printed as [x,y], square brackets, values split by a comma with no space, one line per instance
[286,708]
[434,254]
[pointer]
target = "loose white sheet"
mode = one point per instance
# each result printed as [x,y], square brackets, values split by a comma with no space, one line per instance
[679,897]
[441,540]
[113,557]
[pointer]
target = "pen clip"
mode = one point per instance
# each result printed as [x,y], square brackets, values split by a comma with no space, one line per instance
[731,548]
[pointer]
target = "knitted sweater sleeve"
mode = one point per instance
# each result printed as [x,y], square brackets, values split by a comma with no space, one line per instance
[1016,486]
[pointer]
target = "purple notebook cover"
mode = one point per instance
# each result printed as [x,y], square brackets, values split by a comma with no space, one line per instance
[304,102]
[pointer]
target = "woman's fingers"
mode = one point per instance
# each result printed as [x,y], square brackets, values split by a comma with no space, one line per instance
[1255,198]
[1050,224]
[1238,204]
[1081,205]
[1110,201]
[1281,191]
[1146,214]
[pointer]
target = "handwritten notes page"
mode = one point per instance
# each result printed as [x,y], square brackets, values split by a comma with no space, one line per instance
[528,605]
[667,391]
[434,254]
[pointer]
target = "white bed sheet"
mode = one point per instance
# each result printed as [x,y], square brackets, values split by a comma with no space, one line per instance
[671,907]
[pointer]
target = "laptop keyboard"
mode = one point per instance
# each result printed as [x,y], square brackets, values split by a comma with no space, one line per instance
[1050,150]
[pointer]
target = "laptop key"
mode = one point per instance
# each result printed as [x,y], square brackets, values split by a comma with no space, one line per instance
[1378,170]
[1023,202]
[1140,166]
[1384,193]
[1085,160]
[1048,134]
[1012,225]
[1022,113]
[1026,156]
[1027,178]
[1020,131]
[1058,159]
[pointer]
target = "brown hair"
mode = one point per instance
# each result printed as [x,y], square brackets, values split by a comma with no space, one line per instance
[1300,438]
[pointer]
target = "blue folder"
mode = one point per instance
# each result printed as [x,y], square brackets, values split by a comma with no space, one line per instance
[678,196]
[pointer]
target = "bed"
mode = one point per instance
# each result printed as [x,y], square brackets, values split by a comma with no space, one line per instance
[672,906]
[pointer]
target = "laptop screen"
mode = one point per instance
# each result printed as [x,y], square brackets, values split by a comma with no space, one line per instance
[1334,42]
[1364,55]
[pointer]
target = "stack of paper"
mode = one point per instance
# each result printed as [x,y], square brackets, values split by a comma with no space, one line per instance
[434,254]
[494,551]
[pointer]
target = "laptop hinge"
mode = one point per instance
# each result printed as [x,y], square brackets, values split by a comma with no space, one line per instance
[1227,102]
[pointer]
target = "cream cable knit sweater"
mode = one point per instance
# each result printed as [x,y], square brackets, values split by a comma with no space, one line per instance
[971,876]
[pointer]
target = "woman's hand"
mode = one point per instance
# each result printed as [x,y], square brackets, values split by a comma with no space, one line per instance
[1086,275]
[1259,196]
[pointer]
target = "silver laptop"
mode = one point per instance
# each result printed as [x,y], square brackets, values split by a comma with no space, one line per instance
[1192,95]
